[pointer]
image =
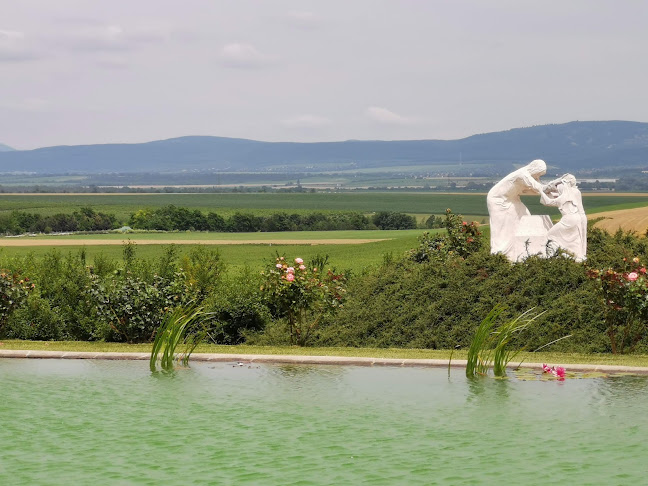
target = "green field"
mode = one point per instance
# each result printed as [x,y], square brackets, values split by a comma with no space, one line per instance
[345,257]
[355,257]
[122,205]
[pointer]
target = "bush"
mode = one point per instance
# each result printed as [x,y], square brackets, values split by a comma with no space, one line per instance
[130,308]
[302,294]
[624,292]
[438,305]
[14,291]
[237,310]
[36,321]
[389,220]
[63,280]
[461,238]
[202,269]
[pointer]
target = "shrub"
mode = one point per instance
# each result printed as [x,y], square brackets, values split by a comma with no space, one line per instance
[130,308]
[437,304]
[389,220]
[237,310]
[302,295]
[36,320]
[461,238]
[202,269]
[14,291]
[625,294]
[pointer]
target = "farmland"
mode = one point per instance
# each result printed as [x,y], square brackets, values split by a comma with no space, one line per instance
[122,205]
[242,250]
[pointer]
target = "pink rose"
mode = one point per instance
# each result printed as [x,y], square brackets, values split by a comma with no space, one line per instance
[278,265]
[302,267]
[632,276]
[290,270]
[290,277]
[299,261]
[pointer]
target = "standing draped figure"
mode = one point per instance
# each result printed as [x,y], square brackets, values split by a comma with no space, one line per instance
[570,233]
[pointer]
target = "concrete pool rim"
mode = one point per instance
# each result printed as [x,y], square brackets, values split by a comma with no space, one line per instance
[294,359]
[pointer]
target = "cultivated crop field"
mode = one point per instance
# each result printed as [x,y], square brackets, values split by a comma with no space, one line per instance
[239,250]
[355,250]
[122,205]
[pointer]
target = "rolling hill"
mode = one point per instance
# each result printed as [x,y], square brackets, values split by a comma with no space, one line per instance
[569,147]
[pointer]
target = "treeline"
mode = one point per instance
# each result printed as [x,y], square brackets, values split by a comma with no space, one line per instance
[172,218]
[85,219]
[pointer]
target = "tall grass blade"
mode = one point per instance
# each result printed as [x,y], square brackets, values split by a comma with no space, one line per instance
[172,333]
[503,336]
[478,353]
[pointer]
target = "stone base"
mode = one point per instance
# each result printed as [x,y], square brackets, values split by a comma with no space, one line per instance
[531,236]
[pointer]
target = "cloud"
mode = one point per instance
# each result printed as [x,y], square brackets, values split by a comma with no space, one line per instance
[306,121]
[93,36]
[98,38]
[35,105]
[14,47]
[243,56]
[304,20]
[383,115]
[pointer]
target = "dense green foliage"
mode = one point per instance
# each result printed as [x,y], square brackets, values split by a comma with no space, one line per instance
[85,219]
[172,218]
[625,295]
[434,302]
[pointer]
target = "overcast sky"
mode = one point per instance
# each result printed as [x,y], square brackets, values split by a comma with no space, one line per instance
[82,71]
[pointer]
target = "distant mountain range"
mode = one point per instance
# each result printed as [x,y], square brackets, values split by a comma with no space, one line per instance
[5,148]
[569,147]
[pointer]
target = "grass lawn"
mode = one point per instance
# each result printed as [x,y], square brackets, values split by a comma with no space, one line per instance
[552,358]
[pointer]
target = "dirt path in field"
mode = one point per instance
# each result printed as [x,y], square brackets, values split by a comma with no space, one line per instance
[627,219]
[26,241]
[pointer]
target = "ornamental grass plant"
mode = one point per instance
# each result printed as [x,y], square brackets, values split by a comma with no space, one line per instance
[182,327]
[490,346]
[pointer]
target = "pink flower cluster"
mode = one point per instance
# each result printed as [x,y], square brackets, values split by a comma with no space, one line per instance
[289,272]
[557,371]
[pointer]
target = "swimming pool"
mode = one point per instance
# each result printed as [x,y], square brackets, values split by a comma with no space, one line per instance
[113,422]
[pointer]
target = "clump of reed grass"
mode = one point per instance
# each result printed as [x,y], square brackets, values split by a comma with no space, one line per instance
[490,346]
[181,327]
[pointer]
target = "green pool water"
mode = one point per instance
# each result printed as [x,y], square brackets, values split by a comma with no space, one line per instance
[114,422]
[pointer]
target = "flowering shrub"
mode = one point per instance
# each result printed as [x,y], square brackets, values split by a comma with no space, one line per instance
[625,295]
[302,294]
[462,239]
[13,293]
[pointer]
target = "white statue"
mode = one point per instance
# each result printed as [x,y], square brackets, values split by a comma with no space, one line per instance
[570,233]
[506,209]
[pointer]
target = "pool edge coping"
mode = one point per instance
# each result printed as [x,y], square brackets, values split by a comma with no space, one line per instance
[296,359]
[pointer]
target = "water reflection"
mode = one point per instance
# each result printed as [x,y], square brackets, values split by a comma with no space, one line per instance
[480,387]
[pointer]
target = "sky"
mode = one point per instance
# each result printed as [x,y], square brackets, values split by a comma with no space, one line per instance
[125,71]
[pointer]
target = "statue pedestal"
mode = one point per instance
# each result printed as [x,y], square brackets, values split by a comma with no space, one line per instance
[531,236]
